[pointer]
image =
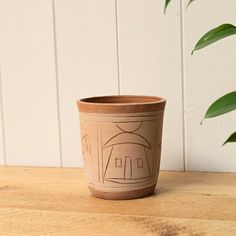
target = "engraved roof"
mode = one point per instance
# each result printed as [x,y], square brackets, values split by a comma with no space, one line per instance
[127,138]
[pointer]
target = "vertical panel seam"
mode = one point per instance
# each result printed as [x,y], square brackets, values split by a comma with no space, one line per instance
[117,46]
[185,163]
[2,119]
[57,82]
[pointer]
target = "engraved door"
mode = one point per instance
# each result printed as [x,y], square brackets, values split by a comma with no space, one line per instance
[128,168]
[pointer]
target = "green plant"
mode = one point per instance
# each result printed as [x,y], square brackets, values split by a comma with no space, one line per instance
[226,103]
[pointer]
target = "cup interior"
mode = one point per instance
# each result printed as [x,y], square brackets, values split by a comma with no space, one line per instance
[123,99]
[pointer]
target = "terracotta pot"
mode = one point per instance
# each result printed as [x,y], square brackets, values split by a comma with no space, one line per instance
[121,144]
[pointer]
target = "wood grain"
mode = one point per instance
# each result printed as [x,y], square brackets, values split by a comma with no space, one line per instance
[51,201]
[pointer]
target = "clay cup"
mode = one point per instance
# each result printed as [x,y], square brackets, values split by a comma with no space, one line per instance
[121,144]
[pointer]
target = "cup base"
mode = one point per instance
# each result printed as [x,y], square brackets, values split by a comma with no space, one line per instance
[123,195]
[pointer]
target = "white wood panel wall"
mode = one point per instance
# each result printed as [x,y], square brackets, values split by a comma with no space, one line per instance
[149,67]
[209,74]
[53,52]
[2,145]
[29,83]
[87,63]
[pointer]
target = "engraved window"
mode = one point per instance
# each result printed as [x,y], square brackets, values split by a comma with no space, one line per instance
[140,162]
[118,162]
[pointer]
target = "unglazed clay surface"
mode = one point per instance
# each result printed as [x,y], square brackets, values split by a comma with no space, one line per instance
[121,144]
[121,152]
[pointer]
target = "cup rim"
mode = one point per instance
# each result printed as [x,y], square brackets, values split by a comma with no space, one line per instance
[127,100]
[114,104]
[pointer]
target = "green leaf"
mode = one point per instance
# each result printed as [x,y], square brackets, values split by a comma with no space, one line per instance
[166,4]
[231,139]
[214,35]
[223,105]
[190,2]
[168,1]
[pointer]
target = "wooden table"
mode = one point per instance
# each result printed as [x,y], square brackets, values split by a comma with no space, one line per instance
[55,201]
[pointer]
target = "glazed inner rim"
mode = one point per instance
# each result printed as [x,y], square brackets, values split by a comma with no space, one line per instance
[129,99]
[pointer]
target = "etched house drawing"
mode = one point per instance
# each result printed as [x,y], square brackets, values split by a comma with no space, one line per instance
[128,159]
